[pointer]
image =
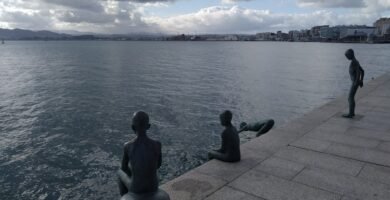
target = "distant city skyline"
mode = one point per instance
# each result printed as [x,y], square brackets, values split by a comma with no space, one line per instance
[187,16]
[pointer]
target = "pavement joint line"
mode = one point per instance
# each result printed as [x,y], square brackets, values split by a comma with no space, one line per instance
[304,167]
[318,188]
[354,159]
[292,180]
[228,182]
[360,171]
[233,188]
[380,143]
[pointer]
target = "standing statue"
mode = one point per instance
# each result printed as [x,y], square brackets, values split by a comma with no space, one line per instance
[357,74]
[230,148]
[141,159]
[260,127]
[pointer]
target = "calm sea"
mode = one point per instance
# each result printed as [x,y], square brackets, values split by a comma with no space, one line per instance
[66,107]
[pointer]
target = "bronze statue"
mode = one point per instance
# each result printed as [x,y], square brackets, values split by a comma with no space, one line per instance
[141,159]
[260,127]
[357,74]
[230,148]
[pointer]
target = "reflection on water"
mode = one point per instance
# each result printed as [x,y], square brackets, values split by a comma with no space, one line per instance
[65,107]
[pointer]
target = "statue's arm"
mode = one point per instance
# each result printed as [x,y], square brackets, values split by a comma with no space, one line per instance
[159,155]
[242,129]
[356,66]
[223,144]
[125,162]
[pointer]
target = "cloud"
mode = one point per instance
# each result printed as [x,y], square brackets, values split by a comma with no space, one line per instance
[113,16]
[234,19]
[332,3]
[233,1]
[81,15]
[94,6]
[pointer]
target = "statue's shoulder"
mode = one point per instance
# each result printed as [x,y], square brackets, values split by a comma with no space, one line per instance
[156,142]
[355,63]
[129,143]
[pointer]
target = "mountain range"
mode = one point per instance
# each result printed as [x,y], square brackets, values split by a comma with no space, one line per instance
[20,34]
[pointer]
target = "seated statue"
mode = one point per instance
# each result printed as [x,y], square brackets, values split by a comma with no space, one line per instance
[260,127]
[230,148]
[141,159]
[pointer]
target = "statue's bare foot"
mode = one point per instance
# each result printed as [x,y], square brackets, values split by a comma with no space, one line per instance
[350,116]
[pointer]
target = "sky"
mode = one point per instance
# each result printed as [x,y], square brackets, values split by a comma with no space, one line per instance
[187,16]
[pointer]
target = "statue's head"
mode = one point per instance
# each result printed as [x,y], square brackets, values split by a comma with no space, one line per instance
[226,118]
[140,121]
[242,125]
[350,54]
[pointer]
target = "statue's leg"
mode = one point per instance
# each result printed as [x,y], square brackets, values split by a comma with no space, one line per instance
[122,187]
[124,182]
[351,100]
[219,156]
[266,126]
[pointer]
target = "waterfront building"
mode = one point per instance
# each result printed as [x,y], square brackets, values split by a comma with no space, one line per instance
[231,38]
[294,35]
[304,35]
[330,33]
[268,36]
[356,33]
[315,32]
[382,28]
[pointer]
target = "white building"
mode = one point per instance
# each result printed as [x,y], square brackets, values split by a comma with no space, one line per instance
[362,32]
[382,27]
[231,38]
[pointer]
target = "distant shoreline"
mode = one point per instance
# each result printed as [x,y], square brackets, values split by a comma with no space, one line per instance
[146,40]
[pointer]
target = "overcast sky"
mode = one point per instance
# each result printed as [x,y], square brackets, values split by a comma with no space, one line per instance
[186,16]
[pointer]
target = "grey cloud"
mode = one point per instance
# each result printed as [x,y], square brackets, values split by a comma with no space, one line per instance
[242,20]
[233,1]
[84,17]
[237,0]
[142,1]
[94,6]
[19,19]
[333,3]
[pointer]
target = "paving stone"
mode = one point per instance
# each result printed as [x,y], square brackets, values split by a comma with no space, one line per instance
[270,187]
[375,100]
[228,193]
[350,198]
[343,184]
[271,142]
[340,122]
[330,127]
[365,133]
[311,143]
[230,171]
[319,115]
[373,125]
[345,139]
[280,167]
[384,146]
[321,160]
[376,173]
[381,92]
[192,186]
[381,108]
[361,154]
[300,125]
[382,114]
[377,118]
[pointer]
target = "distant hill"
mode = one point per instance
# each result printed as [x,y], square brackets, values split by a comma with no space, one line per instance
[21,34]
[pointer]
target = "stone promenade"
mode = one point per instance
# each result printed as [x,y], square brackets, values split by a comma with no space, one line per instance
[319,156]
